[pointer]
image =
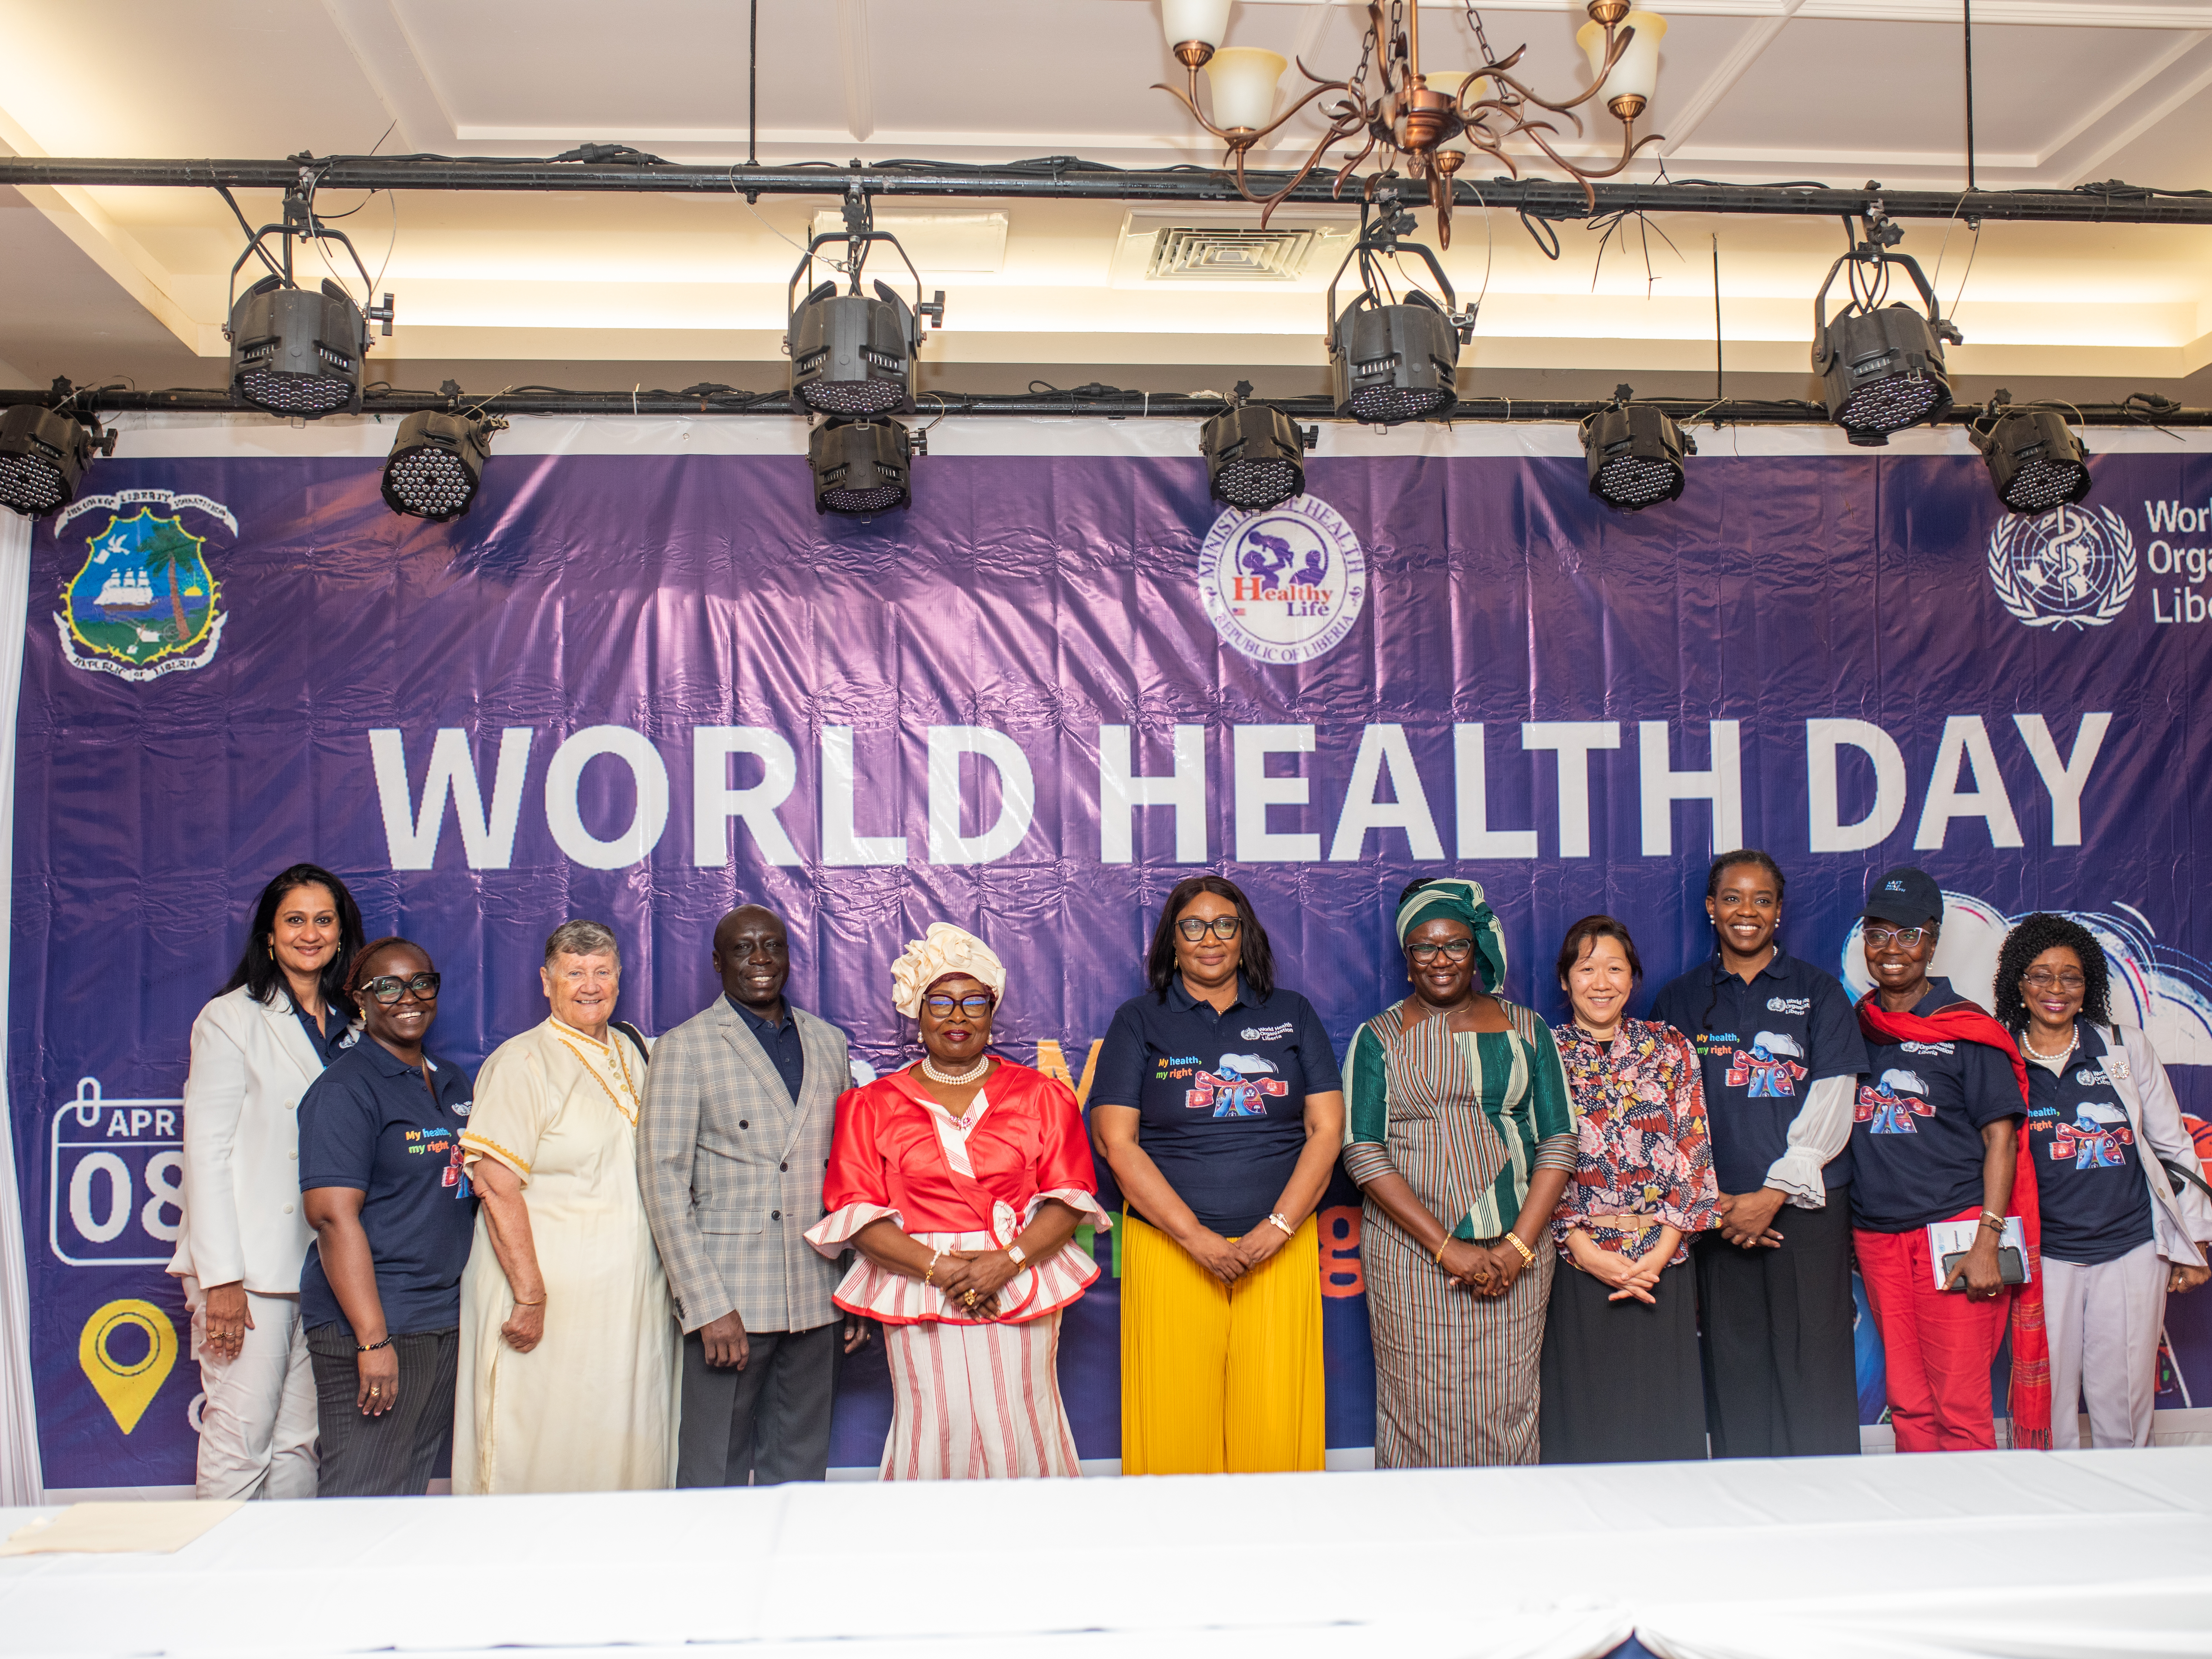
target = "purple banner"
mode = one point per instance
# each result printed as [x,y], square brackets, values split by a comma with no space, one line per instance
[644,688]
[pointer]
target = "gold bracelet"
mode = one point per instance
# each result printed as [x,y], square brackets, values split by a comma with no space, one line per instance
[1289,1231]
[929,1273]
[520,1303]
[1439,1257]
[1528,1255]
[1993,1221]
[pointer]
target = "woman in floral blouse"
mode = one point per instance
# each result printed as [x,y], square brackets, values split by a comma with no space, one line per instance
[1620,1373]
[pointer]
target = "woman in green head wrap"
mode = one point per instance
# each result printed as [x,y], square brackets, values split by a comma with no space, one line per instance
[1461,1135]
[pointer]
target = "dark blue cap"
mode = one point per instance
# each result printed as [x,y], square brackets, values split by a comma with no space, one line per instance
[1905,897]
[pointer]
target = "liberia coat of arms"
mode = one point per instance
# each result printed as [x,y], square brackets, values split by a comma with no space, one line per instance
[144,603]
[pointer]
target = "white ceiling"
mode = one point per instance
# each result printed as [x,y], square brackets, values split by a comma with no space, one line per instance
[1840,91]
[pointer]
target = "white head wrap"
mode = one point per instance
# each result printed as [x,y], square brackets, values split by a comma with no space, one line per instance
[943,950]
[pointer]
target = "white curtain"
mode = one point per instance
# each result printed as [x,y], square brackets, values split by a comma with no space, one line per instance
[19,1418]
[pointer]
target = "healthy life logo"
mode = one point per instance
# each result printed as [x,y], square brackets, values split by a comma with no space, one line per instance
[1284,585]
[144,603]
[2064,567]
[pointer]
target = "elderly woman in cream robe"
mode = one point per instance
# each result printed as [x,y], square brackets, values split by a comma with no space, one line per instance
[568,1361]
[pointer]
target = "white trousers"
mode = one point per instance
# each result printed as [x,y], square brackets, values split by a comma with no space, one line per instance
[258,1423]
[2104,1323]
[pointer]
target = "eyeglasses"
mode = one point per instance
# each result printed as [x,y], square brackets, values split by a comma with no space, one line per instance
[2043,982]
[389,988]
[941,1006]
[1880,938]
[1195,928]
[1455,949]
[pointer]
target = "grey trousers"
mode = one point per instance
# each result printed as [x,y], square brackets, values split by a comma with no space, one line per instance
[259,1425]
[394,1455]
[766,1424]
[2104,1322]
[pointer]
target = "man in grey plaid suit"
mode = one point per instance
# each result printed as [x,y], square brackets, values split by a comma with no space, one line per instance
[732,1141]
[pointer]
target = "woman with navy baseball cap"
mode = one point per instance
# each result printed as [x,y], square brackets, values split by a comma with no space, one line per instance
[1935,1139]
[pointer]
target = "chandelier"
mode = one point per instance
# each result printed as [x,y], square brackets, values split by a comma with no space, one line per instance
[1388,106]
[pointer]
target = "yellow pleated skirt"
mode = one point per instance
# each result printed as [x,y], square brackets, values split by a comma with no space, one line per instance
[1219,1378]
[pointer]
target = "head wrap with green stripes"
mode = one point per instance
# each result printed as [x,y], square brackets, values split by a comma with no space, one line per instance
[1451,899]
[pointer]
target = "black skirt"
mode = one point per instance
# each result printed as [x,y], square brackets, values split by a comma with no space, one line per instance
[1621,1382]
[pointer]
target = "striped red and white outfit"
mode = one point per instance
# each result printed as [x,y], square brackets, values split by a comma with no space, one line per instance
[970,1399]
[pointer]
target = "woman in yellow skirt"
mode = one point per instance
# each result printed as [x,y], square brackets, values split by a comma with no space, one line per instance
[1218,1105]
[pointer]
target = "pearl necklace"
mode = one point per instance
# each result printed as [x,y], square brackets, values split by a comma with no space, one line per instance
[957,1079]
[2057,1059]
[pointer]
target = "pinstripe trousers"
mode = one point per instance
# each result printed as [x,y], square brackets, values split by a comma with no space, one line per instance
[396,1455]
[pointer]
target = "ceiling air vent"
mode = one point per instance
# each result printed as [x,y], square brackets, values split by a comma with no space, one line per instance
[1229,253]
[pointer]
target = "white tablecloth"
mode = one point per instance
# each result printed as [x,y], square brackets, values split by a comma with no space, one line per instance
[2092,1554]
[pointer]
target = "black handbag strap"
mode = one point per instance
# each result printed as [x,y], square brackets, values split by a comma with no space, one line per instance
[636,1038]
[2180,1172]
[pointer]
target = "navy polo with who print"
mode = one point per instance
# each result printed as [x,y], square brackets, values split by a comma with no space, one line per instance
[370,1122]
[330,1039]
[1221,1095]
[1761,1046]
[2089,1179]
[1917,1134]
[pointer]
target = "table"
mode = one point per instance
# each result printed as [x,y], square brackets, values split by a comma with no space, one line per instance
[2048,1555]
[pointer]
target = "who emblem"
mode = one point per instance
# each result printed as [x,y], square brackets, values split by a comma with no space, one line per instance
[2066,566]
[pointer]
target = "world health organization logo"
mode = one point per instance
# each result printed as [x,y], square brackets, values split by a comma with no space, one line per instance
[1284,585]
[2067,566]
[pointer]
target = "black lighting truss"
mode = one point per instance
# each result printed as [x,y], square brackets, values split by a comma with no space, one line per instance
[1088,403]
[618,170]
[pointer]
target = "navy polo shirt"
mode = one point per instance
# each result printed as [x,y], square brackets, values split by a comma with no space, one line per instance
[780,1042]
[330,1039]
[1222,1095]
[1916,1138]
[371,1123]
[1761,1046]
[2089,1177]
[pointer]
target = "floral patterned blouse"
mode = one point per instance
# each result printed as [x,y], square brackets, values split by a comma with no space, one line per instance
[1645,1155]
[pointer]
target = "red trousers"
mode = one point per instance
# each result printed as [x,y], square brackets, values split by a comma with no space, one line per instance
[1938,1345]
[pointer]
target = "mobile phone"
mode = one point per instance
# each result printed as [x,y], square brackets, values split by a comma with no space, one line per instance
[2010,1267]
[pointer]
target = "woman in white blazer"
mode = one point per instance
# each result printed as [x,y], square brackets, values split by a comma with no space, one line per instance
[255,1050]
[2120,1234]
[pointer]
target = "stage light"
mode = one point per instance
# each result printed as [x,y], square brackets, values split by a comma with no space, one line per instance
[1255,456]
[1393,359]
[863,467]
[437,463]
[2035,461]
[42,454]
[1882,364]
[1635,454]
[294,352]
[852,356]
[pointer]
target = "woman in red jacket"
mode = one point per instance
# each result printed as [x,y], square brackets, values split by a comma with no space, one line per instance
[960,1181]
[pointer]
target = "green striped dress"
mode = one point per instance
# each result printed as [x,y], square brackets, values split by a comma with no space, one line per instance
[1467,1118]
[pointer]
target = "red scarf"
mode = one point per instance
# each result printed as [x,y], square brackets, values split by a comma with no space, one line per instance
[1963,1022]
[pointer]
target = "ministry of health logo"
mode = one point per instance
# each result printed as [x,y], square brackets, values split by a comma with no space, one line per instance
[2068,566]
[1284,585]
[144,603]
